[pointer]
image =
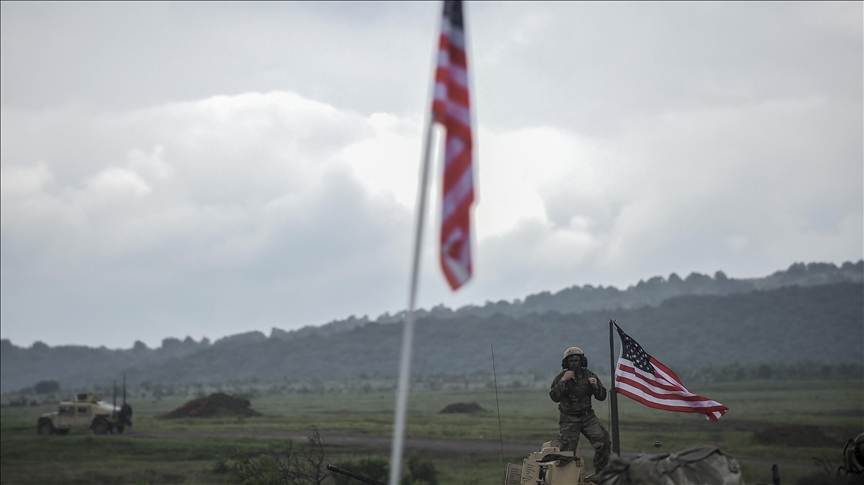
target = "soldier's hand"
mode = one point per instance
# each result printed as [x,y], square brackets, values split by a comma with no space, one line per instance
[593,381]
[568,375]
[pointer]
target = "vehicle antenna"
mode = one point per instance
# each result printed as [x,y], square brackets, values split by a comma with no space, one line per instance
[498,407]
[124,388]
[115,396]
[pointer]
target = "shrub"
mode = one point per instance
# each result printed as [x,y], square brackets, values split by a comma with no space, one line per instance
[46,387]
[422,471]
[281,465]
[374,468]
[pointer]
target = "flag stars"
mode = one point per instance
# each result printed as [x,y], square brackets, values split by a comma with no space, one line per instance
[635,353]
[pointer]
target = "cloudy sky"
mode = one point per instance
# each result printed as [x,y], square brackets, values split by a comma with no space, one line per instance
[205,169]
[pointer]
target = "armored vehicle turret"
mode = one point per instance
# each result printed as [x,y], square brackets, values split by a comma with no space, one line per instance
[549,466]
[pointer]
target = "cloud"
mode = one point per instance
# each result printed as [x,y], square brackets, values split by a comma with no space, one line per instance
[117,182]
[747,189]
[222,199]
[23,181]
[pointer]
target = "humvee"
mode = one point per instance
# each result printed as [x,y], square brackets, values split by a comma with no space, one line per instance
[87,411]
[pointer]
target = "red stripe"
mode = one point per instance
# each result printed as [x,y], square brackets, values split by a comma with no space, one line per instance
[460,215]
[632,371]
[657,363]
[680,395]
[452,280]
[461,209]
[444,42]
[457,56]
[675,384]
[669,407]
[458,94]
[662,395]
[450,277]
[461,205]
[456,53]
[457,167]
[681,409]
[459,219]
[462,220]
[459,130]
[439,107]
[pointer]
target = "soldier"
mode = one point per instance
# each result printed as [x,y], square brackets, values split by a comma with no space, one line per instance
[572,390]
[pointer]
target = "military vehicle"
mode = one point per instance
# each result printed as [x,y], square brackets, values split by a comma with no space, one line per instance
[87,411]
[549,466]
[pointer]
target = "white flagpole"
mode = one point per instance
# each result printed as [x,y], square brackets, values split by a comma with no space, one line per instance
[408,327]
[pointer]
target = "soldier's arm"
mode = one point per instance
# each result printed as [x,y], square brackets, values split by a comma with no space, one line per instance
[556,392]
[600,392]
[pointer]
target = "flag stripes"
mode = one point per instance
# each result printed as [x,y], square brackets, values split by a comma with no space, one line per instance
[645,379]
[451,107]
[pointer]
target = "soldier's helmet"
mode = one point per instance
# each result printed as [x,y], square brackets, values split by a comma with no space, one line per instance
[572,351]
[569,352]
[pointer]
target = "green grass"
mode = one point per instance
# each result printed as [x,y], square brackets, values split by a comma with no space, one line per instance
[185,450]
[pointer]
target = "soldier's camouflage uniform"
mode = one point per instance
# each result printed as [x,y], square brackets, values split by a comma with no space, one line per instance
[577,416]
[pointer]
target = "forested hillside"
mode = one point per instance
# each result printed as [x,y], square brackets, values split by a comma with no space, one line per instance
[823,323]
[651,292]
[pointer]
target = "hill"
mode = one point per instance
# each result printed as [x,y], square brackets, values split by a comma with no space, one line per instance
[823,323]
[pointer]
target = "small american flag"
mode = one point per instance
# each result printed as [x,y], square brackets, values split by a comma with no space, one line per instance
[451,108]
[645,379]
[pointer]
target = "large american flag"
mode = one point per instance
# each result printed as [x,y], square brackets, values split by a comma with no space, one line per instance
[451,108]
[645,379]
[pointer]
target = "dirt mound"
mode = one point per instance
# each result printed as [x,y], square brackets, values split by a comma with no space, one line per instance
[463,408]
[214,405]
[793,435]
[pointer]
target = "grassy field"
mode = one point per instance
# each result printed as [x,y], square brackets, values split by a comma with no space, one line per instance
[188,450]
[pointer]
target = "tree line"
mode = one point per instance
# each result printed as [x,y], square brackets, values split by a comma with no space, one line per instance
[823,324]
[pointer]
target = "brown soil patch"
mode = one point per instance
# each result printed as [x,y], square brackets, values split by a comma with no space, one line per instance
[214,405]
[797,435]
[463,408]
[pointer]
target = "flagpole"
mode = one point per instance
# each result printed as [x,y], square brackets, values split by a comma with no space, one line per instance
[613,394]
[408,326]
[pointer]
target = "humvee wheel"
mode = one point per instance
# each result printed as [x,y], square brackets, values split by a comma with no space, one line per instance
[101,427]
[45,428]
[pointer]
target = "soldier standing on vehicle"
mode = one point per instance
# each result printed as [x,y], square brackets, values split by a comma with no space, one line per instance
[572,389]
